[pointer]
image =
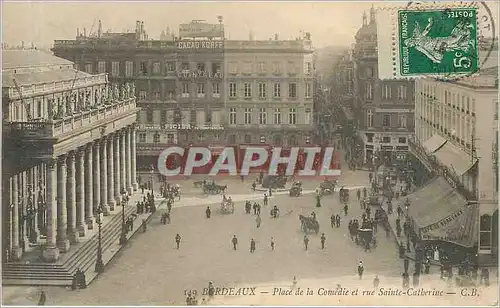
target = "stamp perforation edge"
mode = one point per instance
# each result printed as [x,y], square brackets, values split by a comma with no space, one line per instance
[393,11]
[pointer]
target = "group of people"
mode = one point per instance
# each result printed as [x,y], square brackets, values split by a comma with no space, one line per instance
[147,205]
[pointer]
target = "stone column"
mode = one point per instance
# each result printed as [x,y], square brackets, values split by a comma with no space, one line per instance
[89,189]
[51,252]
[97,175]
[123,171]
[71,198]
[134,159]
[117,166]
[17,251]
[104,176]
[8,214]
[24,205]
[128,162]
[34,204]
[62,211]
[111,171]
[80,193]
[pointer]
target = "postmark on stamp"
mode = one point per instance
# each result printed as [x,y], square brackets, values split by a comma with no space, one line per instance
[431,40]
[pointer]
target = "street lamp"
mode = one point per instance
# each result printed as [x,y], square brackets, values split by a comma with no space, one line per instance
[99,265]
[151,177]
[123,236]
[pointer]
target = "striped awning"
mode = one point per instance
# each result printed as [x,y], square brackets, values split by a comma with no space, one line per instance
[434,143]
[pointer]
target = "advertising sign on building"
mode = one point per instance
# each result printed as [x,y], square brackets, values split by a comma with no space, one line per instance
[199,45]
[201,29]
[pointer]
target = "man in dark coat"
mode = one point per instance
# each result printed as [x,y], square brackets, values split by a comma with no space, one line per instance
[235,242]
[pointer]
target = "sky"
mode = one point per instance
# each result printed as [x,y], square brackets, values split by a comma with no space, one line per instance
[330,23]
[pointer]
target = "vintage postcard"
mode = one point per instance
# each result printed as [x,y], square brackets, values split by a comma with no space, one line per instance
[334,153]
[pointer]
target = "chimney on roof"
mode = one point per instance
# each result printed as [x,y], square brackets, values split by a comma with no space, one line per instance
[276,36]
[143,32]
[99,30]
[84,32]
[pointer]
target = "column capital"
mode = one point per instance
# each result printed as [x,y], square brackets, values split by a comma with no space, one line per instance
[51,162]
[89,146]
[62,158]
[71,155]
[81,150]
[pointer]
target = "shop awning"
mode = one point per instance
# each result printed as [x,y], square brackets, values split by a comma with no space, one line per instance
[460,227]
[454,158]
[434,143]
[439,212]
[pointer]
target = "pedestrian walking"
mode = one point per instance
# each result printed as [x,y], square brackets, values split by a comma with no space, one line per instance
[332,220]
[208,212]
[306,241]
[42,299]
[406,264]
[346,208]
[265,200]
[323,240]
[358,193]
[337,220]
[270,192]
[258,220]
[361,269]
[177,240]
[272,244]
[252,245]
[235,242]
[376,282]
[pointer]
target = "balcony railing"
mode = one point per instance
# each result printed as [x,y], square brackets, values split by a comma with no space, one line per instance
[68,124]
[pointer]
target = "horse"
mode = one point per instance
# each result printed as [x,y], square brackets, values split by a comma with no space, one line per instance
[309,224]
[220,188]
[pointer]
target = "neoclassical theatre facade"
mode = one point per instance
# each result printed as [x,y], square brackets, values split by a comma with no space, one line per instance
[69,152]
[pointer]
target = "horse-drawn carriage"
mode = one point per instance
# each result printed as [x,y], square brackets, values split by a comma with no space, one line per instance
[309,224]
[296,189]
[227,207]
[214,189]
[274,181]
[327,187]
[344,195]
[199,184]
[365,237]
[373,199]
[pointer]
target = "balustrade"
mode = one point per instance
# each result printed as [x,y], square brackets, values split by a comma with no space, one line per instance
[61,126]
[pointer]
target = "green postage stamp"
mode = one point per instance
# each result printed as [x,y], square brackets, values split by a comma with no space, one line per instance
[440,42]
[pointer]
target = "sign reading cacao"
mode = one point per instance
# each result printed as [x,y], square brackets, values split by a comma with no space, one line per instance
[200,45]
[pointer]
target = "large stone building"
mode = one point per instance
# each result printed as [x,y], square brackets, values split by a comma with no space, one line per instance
[205,90]
[456,130]
[383,108]
[269,92]
[68,151]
